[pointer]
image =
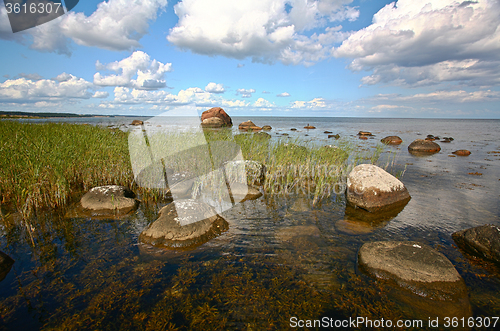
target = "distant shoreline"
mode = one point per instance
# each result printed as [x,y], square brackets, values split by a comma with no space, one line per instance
[28,115]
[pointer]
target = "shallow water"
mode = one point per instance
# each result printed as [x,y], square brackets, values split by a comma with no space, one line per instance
[281,257]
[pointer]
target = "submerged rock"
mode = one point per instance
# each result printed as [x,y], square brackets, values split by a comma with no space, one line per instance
[184,223]
[364,133]
[336,136]
[309,127]
[137,122]
[242,192]
[6,263]
[434,284]
[424,147]
[411,262]
[110,199]
[358,221]
[482,241]
[392,140]
[373,189]
[215,117]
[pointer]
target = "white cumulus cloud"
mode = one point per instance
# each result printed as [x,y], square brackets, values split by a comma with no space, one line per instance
[284,94]
[416,43]
[116,25]
[215,88]
[245,93]
[150,73]
[263,103]
[24,90]
[265,30]
[192,95]
[316,103]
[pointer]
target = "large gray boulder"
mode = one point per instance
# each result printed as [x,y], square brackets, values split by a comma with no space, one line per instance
[426,279]
[413,266]
[6,263]
[373,189]
[109,198]
[482,241]
[184,223]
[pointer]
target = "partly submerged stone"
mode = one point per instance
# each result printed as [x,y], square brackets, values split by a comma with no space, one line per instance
[482,241]
[392,140]
[427,279]
[373,189]
[242,192]
[215,117]
[109,199]
[6,263]
[411,262]
[184,223]
[267,128]
[212,122]
[423,147]
[245,126]
[137,122]
[462,152]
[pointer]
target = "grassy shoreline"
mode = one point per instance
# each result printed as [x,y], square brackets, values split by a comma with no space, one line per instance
[41,164]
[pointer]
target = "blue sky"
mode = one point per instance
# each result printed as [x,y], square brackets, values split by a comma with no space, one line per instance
[431,58]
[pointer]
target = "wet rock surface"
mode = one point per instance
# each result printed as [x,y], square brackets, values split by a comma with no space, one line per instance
[245,126]
[426,279]
[462,152]
[423,147]
[482,241]
[375,190]
[6,263]
[392,140]
[242,192]
[358,221]
[413,266]
[109,199]
[137,122]
[184,223]
[267,128]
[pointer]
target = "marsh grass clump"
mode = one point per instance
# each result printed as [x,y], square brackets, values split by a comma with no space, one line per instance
[41,163]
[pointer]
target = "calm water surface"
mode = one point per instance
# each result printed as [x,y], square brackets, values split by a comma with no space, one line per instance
[280,256]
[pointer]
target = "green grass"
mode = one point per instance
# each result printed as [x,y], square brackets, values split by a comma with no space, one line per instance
[42,164]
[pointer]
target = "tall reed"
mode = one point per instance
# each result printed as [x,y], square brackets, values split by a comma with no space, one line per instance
[40,164]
